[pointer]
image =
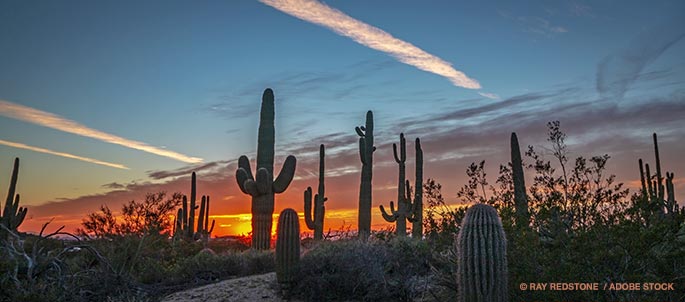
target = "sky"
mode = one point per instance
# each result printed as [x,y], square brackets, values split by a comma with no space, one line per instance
[106,101]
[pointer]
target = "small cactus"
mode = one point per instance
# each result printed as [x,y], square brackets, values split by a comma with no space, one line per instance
[653,188]
[12,216]
[481,256]
[287,249]
[520,197]
[185,216]
[314,219]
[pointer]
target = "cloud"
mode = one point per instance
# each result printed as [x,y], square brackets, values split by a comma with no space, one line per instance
[161,174]
[372,37]
[488,95]
[617,72]
[536,25]
[57,122]
[62,154]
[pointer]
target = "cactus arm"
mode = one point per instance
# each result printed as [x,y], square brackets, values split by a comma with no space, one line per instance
[386,216]
[652,195]
[360,131]
[309,220]
[642,179]
[362,150]
[211,228]
[207,214]
[12,189]
[286,176]
[201,216]
[243,173]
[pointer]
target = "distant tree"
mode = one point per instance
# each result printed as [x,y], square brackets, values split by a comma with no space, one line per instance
[151,216]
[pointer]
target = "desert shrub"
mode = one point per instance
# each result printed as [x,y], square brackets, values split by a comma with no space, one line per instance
[363,271]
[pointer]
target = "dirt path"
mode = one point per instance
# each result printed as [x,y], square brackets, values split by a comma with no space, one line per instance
[245,289]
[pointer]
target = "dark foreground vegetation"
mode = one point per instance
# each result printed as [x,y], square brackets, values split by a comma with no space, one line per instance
[573,223]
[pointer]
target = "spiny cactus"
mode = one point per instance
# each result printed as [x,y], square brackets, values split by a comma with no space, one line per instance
[520,197]
[287,249]
[653,188]
[185,216]
[366,149]
[12,216]
[315,220]
[481,256]
[262,186]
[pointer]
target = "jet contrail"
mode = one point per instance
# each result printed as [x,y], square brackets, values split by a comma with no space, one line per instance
[57,122]
[372,37]
[67,155]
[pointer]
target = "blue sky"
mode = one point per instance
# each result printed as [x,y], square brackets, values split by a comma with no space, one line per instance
[188,77]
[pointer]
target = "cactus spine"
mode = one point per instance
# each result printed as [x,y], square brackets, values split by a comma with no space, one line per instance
[287,249]
[12,216]
[654,190]
[520,198]
[315,220]
[185,216]
[262,187]
[482,256]
[366,149]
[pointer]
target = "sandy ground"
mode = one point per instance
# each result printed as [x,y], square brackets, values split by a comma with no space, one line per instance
[251,288]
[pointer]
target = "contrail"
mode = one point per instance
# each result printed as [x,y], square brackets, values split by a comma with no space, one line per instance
[67,155]
[372,37]
[57,122]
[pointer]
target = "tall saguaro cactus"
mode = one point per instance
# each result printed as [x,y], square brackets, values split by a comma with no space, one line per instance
[366,149]
[482,256]
[417,216]
[315,220]
[262,187]
[404,210]
[520,197]
[12,216]
[654,190]
[287,249]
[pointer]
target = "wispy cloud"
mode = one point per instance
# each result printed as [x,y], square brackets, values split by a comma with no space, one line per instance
[57,122]
[617,72]
[488,95]
[372,37]
[62,154]
[535,25]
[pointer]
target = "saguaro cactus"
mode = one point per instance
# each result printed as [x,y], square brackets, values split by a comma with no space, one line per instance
[417,216]
[185,216]
[366,149]
[520,197]
[262,186]
[12,216]
[315,220]
[482,256]
[404,210]
[287,249]
[654,190]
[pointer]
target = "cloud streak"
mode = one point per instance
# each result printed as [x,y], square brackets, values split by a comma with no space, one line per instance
[62,154]
[57,122]
[372,37]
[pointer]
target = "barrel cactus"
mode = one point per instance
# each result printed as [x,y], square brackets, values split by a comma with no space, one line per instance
[481,256]
[287,249]
[262,186]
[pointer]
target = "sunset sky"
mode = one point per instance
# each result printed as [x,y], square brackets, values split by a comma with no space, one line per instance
[105,101]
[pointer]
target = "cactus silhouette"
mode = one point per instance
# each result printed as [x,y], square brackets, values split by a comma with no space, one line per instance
[404,210]
[520,197]
[654,190]
[185,216]
[314,219]
[366,149]
[481,256]
[12,215]
[262,187]
[417,205]
[287,249]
